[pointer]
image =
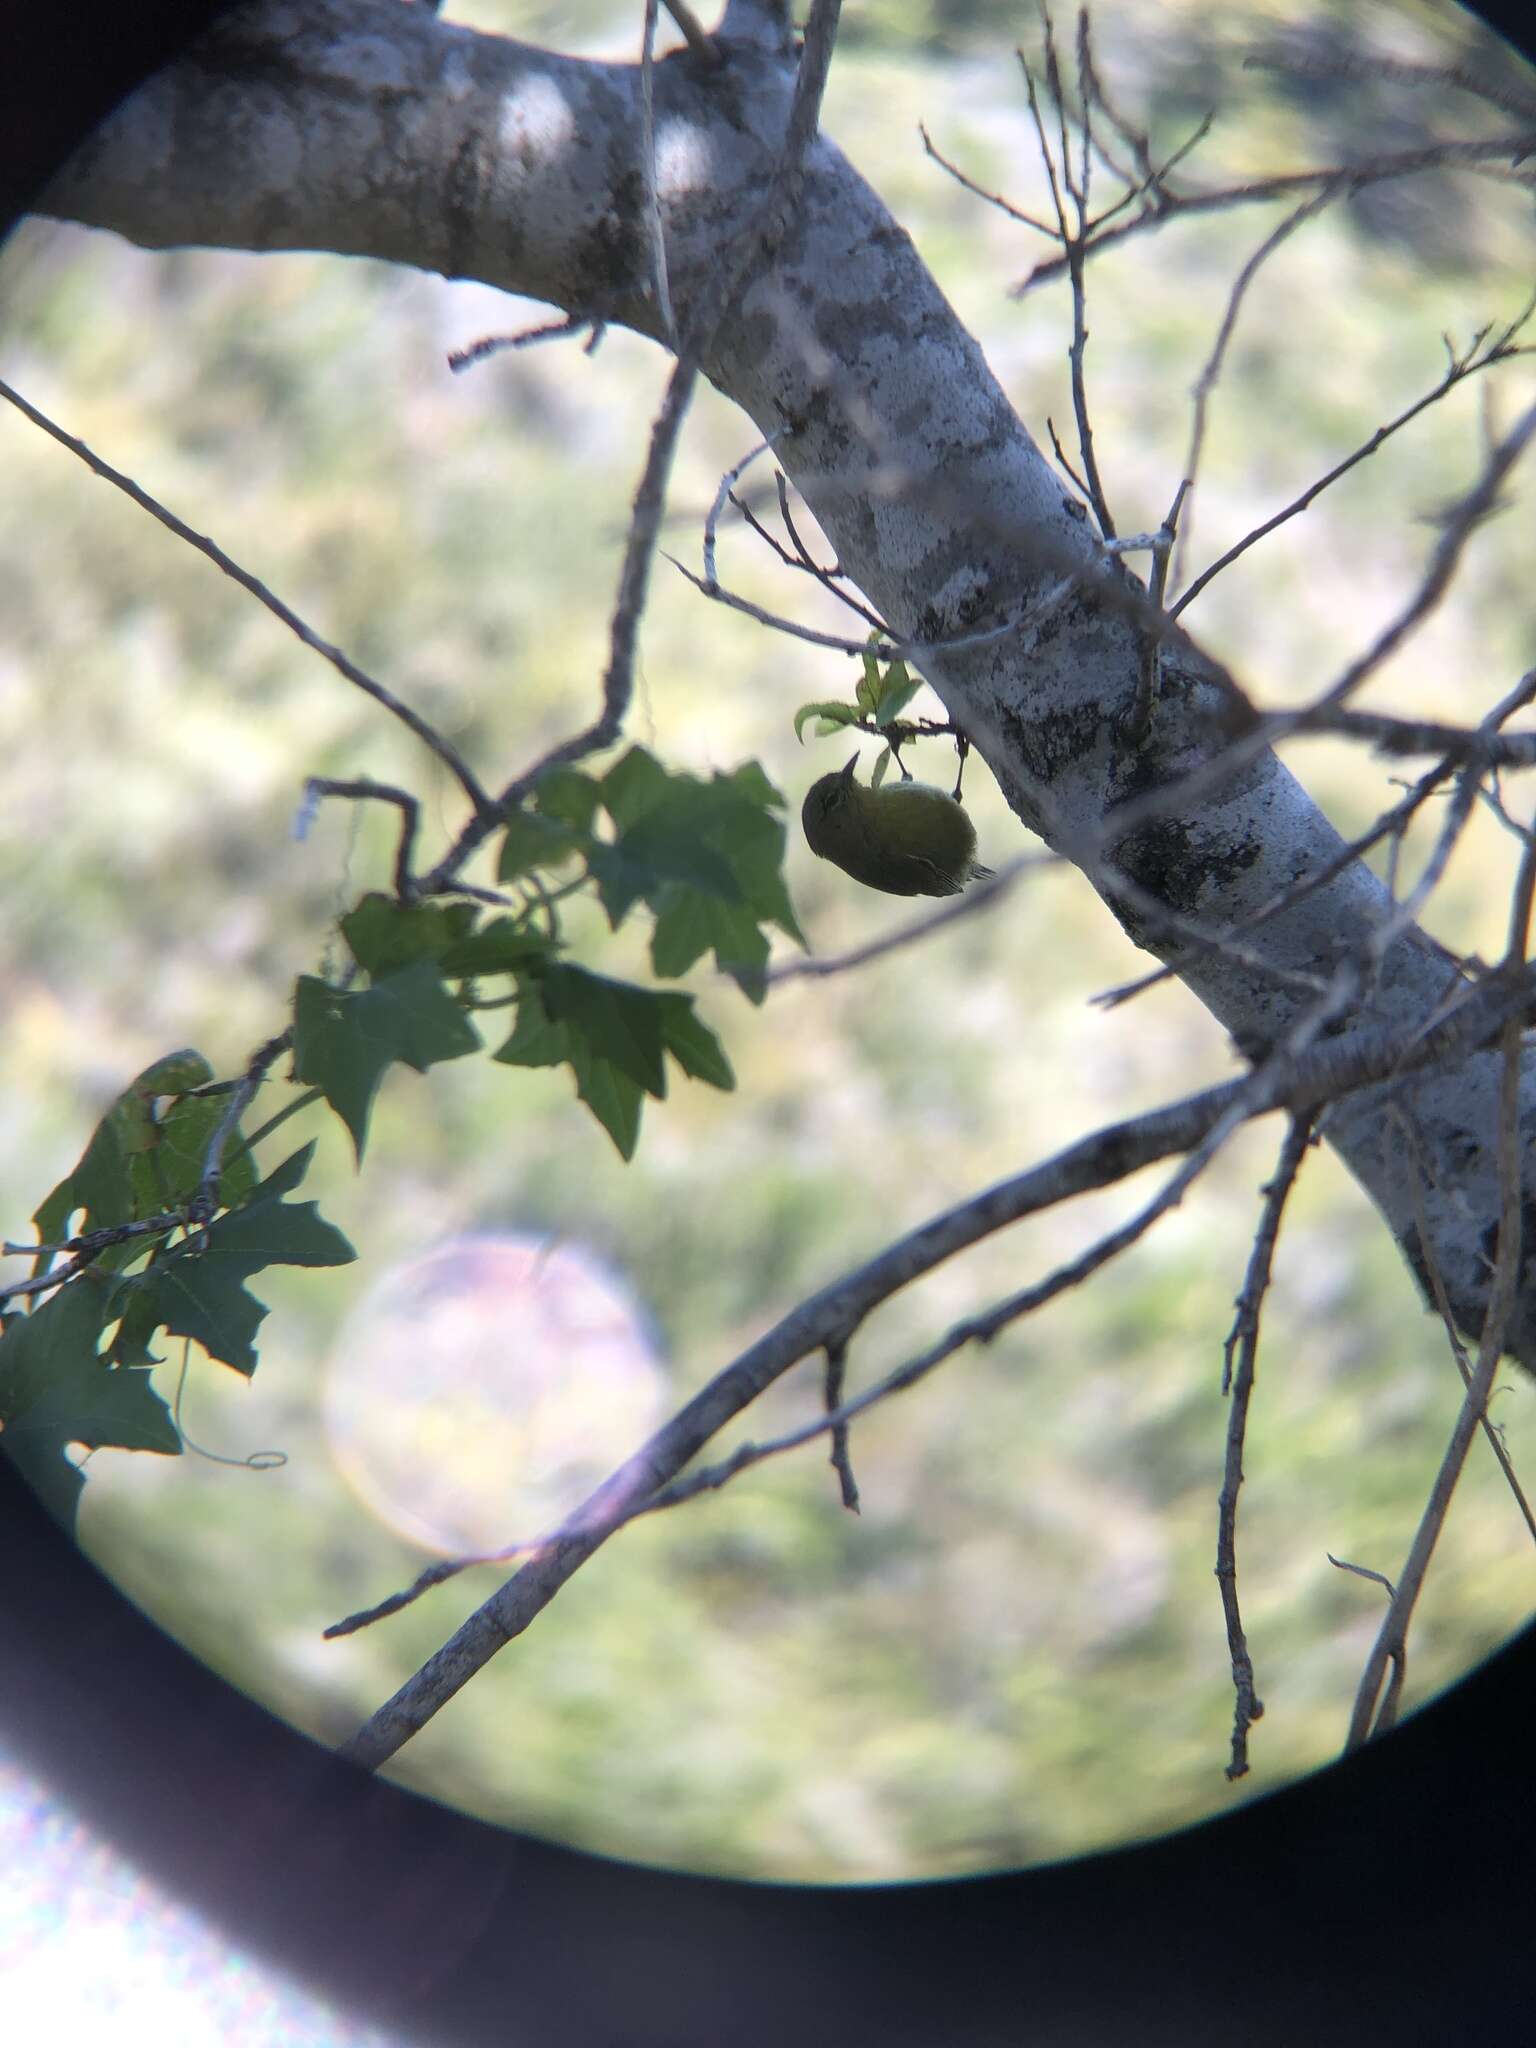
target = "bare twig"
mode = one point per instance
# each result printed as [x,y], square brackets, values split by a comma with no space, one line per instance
[832,1395]
[655,231]
[698,38]
[572,324]
[1470,745]
[1356,177]
[820,967]
[1243,1342]
[996,199]
[1342,65]
[205,1201]
[798,557]
[445,751]
[727,486]
[84,1250]
[1071,235]
[1459,368]
[1206,382]
[1217,770]
[364,790]
[1391,1644]
[1460,522]
[1447,1316]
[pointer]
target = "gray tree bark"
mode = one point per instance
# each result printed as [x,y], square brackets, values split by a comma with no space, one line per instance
[369,127]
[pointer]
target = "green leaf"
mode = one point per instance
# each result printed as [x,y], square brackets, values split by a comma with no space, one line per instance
[718,840]
[504,946]
[198,1290]
[833,717]
[613,1097]
[613,1036]
[56,1389]
[177,1073]
[881,769]
[344,1041]
[131,1345]
[386,935]
[688,926]
[692,1044]
[868,691]
[138,1162]
[536,1041]
[611,1020]
[664,847]
[534,840]
[570,796]
[170,1173]
[900,689]
[750,781]
[635,784]
[98,1185]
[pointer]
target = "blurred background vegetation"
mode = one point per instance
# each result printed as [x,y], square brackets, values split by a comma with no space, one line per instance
[1016,1652]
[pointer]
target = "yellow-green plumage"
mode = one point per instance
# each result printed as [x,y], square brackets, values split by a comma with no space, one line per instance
[907,838]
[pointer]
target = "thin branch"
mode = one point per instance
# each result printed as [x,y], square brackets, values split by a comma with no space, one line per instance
[461,359]
[1469,745]
[206,1200]
[698,38]
[725,492]
[1391,1644]
[623,633]
[1071,238]
[1354,178]
[364,790]
[1459,368]
[798,557]
[985,1327]
[1447,1317]
[820,967]
[1207,380]
[1244,1343]
[781,485]
[412,720]
[840,643]
[1460,522]
[1271,728]
[810,85]
[84,1250]
[996,199]
[832,1395]
[1068,467]
[1391,70]
[656,233]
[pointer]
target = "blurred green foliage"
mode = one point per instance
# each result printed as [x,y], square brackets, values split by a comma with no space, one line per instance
[1016,1651]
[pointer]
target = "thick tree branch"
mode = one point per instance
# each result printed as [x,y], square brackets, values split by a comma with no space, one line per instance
[370,128]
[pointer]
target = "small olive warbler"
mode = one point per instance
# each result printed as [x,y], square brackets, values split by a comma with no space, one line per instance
[907,838]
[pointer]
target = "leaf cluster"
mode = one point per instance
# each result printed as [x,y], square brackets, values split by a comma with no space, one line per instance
[884,691]
[705,858]
[150,1238]
[77,1368]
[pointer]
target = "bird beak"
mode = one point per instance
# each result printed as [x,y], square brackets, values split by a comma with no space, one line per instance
[847,773]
